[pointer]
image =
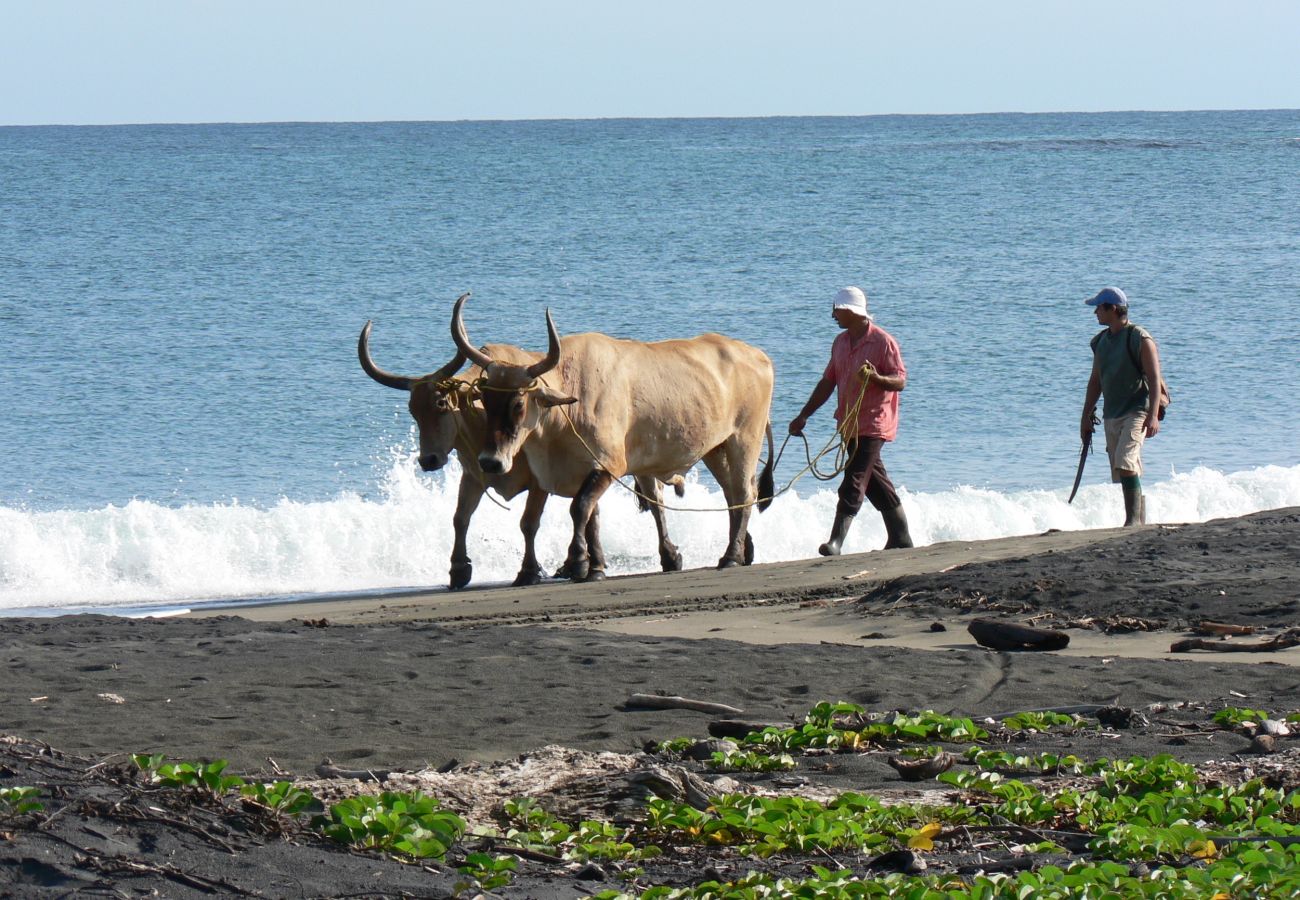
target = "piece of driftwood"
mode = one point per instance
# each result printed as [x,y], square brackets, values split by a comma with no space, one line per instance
[1278,643]
[999,635]
[739,728]
[327,769]
[1224,628]
[659,701]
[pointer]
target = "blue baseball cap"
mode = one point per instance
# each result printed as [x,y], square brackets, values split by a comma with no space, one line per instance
[1112,295]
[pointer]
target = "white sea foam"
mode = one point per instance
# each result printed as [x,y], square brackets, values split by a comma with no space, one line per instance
[144,554]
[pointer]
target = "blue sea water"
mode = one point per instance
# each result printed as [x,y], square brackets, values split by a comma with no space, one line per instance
[185,420]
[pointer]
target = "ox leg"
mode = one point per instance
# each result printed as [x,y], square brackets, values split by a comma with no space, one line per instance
[581,510]
[467,500]
[530,571]
[669,557]
[595,550]
[738,488]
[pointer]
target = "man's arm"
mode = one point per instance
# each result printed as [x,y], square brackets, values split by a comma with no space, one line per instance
[820,394]
[1151,369]
[884,382]
[1090,398]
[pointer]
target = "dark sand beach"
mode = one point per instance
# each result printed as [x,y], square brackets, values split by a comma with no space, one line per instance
[461,681]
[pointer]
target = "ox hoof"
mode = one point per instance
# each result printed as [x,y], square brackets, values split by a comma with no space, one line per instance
[578,571]
[749,549]
[671,563]
[460,575]
[527,578]
[728,563]
[595,575]
[562,571]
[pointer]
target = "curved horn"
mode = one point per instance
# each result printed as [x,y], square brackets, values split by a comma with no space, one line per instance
[477,357]
[450,369]
[388,379]
[552,351]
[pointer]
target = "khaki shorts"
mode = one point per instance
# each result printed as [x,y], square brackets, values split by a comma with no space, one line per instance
[1124,437]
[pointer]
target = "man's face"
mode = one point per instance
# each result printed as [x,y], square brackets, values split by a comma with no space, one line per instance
[1106,314]
[846,317]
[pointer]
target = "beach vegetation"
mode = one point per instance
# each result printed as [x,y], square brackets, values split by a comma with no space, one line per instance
[534,828]
[485,872]
[848,727]
[282,798]
[208,778]
[1041,721]
[408,824]
[19,801]
[749,761]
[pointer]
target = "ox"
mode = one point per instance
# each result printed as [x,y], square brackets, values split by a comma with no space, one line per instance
[448,418]
[616,407]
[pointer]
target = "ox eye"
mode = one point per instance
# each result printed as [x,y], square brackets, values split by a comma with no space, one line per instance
[517,409]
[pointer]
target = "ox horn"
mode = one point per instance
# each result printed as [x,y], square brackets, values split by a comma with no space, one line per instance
[552,351]
[387,379]
[477,357]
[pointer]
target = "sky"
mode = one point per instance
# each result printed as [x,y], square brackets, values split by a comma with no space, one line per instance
[151,61]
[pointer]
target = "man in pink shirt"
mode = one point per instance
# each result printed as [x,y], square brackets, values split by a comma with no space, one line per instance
[864,354]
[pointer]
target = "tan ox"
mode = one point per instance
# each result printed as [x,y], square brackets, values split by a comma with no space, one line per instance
[604,408]
[445,413]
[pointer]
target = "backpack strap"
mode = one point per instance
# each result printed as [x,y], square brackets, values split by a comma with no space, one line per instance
[1132,352]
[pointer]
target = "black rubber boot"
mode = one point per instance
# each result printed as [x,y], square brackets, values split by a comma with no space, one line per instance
[1134,507]
[843,519]
[898,537]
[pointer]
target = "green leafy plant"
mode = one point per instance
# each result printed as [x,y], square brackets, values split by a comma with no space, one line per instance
[282,798]
[410,824]
[486,872]
[1235,716]
[1041,721]
[19,801]
[203,777]
[748,761]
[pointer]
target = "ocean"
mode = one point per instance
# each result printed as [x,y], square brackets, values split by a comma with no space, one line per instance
[186,423]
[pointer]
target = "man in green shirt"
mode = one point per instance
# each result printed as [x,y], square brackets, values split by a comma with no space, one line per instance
[1126,375]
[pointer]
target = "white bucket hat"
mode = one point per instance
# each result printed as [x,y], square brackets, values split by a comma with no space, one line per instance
[853,299]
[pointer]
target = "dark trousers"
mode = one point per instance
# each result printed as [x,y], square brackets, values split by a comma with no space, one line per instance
[865,476]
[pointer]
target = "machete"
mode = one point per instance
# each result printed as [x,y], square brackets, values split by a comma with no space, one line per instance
[1083,458]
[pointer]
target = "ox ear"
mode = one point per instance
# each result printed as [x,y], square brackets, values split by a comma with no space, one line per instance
[547,397]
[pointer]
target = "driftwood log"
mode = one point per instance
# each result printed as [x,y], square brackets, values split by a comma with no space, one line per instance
[998,635]
[659,701]
[1224,628]
[1282,642]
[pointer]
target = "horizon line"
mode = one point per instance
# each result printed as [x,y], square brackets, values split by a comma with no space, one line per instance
[663,118]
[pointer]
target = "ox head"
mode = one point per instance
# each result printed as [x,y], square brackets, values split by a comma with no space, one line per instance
[514,396]
[434,403]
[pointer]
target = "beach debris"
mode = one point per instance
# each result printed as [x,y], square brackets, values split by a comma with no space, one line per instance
[737,728]
[1117,624]
[861,574]
[1281,642]
[316,623]
[661,701]
[1120,717]
[704,750]
[998,635]
[924,768]
[1263,744]
[938,626]
[904,861]
[111,698]
[40,699]
[327,769]
[1275,727]
[1223,628]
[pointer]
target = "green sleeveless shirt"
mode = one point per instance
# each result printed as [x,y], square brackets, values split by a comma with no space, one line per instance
[1123,389]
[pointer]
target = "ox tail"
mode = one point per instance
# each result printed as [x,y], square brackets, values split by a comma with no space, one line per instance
[766,483]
